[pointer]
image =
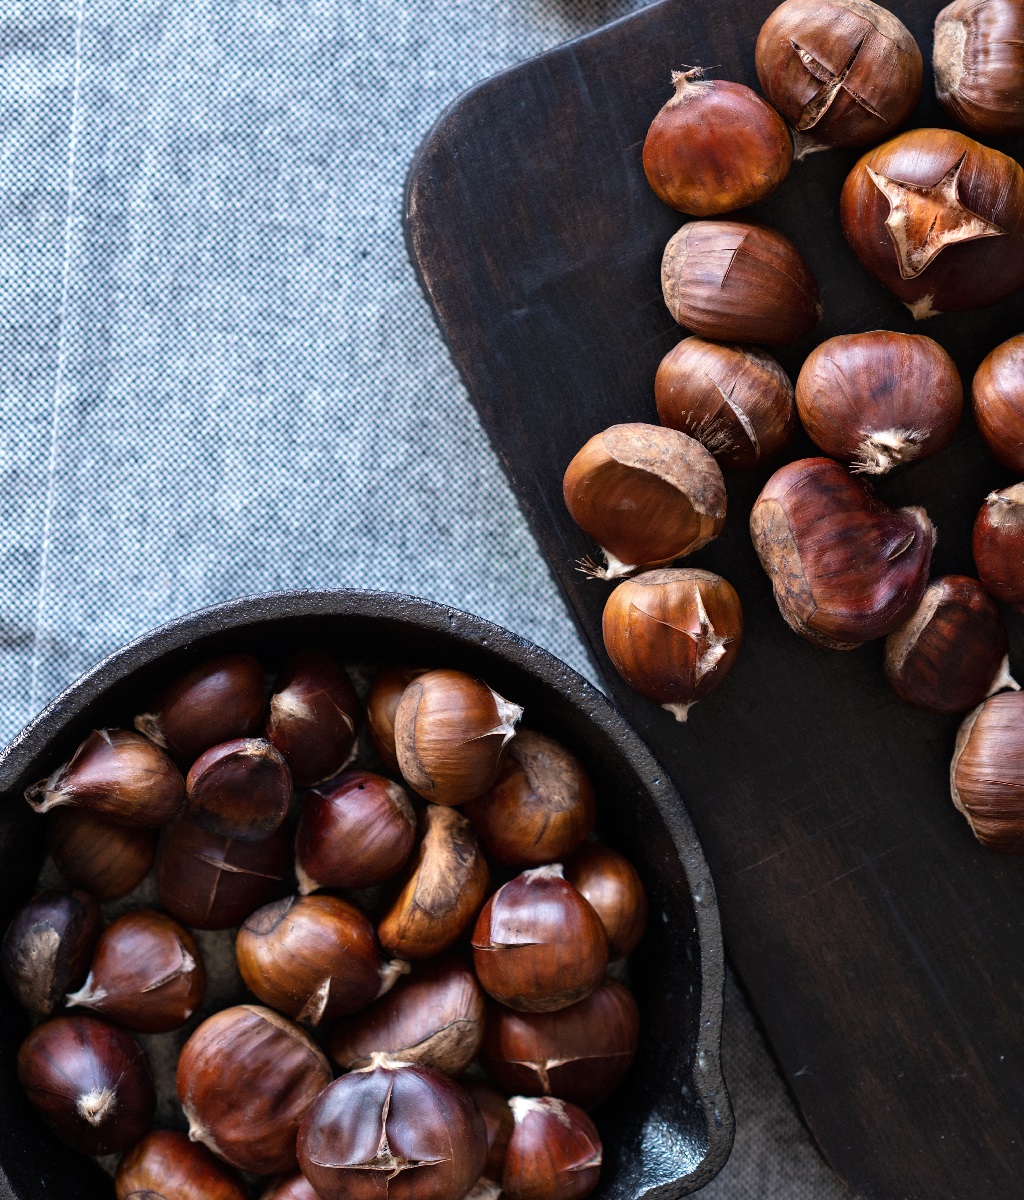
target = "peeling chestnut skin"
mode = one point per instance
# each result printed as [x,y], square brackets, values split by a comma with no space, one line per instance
[165,1165]
[47,948]
[610,884]
[998,397]
[240,789]
[998,544]
[987,772]
[105,859]
[554,1153]
[314,717]
[381,706]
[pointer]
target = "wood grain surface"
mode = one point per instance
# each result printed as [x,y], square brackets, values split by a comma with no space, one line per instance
[882,947]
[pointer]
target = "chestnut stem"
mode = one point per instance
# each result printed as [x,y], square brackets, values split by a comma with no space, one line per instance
[1003,681]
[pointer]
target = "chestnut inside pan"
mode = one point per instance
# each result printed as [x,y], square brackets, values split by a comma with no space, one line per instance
[669,1127]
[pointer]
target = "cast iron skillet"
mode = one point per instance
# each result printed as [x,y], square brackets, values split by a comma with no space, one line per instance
[669,1128]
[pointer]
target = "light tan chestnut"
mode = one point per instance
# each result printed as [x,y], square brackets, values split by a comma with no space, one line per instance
[997,393]
[673,635]
[998,544]
[978,58]
[646,494]
[987,773]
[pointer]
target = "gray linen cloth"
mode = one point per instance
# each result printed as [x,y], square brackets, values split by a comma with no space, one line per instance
[217,374]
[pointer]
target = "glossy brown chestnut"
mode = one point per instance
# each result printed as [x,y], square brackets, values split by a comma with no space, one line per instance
[245,1079]
[392,1129]
[89,1081]
[845,567]
[580,1053]
[312,957]
[938,219]
[147,973]
[715,146]
[842,72]
[115,775]
[105,859]
[440,891]
[952,653]
[484,1189]
[435,1016]
[735,400]
[999,545]
[498,1122]
[673,635]
[48,946]
[610,884]
[165,1165]
[998,397]
[381,706]
[314,716]
[978,57]
[219,700]
[450,731]
[294,1187]
[876,400]
[646,494]
[354,832]
[554,1152]
[240,789]
[736,282]
[540,808]
[987,773]
[212,882]
[538,945]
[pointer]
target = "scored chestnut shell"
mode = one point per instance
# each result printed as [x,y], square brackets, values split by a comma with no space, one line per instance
[538,945]
[381,706]
[47,948]
[213,882]
[498,1122]
[314,716]
[554,1153]
[842,72]
[978,58]
[610,884]
[876,400]
[392,1129]
[165,1165]
[89,1081]
[647,494]
[440,891]
[938,219]
[434,1016]
[673,635]
[147,973]
[997,394]
[952,653]
[845,568]
[354,832]
[105,859]
[715,146]
[540,808]
[219,700]
[735,400]
[998,544]
[987,773]
[580,1053]
[736,282]
[115,775]
[240,789]
[245,1079]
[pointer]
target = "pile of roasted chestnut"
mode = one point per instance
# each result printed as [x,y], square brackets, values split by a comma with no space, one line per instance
[938,218]
[399,957]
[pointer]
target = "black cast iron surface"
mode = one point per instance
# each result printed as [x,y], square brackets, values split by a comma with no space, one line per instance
[669,1128]
[883,948]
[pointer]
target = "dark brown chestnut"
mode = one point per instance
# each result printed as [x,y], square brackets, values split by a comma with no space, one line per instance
[978,58]
[147,973]
[610,884]
[105,859]
[498,1122]
[294,1187]
[540,808]
[580,1053]
[165,1165]
[115,775]
[998,397]
[47,948]
[987,773]
[538,945]
[89,1081]
[392,1129]
[219,700]
[999,545]
[314,716]
[440,891]
[381,706]
[554,1153]
[245,1079]
[240,789]
[434,1016]
[355,831]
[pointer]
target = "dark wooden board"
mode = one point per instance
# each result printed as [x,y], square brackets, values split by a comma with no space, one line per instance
[882,947]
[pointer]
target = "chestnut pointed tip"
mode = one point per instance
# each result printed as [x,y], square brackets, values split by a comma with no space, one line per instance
[391,972]
[1004,681]
[149,725]
[97,1106]
[680,711]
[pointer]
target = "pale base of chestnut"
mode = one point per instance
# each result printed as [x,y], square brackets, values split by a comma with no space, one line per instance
[679,711]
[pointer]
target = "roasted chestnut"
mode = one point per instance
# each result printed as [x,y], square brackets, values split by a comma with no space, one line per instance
[381,706]
[313,717]
[245,1079]
[115,775]
[89,1081]
[392,1129]
[999,545]
[354,832]
[47,948]
[978,59]
[845,568]
[554,1152]
[105,859]
[998,397]
[498,1122]
[240,789]
[165,1165]
[538,945]
[987,773]
[610,884]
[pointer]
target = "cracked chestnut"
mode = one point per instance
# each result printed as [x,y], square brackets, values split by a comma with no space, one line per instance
[47,948]
[998,544]
[987,773]
[240,789]
[610,884]
[314,717]
[997,394]
[105,859]
[554,1153]
[978,57]
[381,706]
[165,1165]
